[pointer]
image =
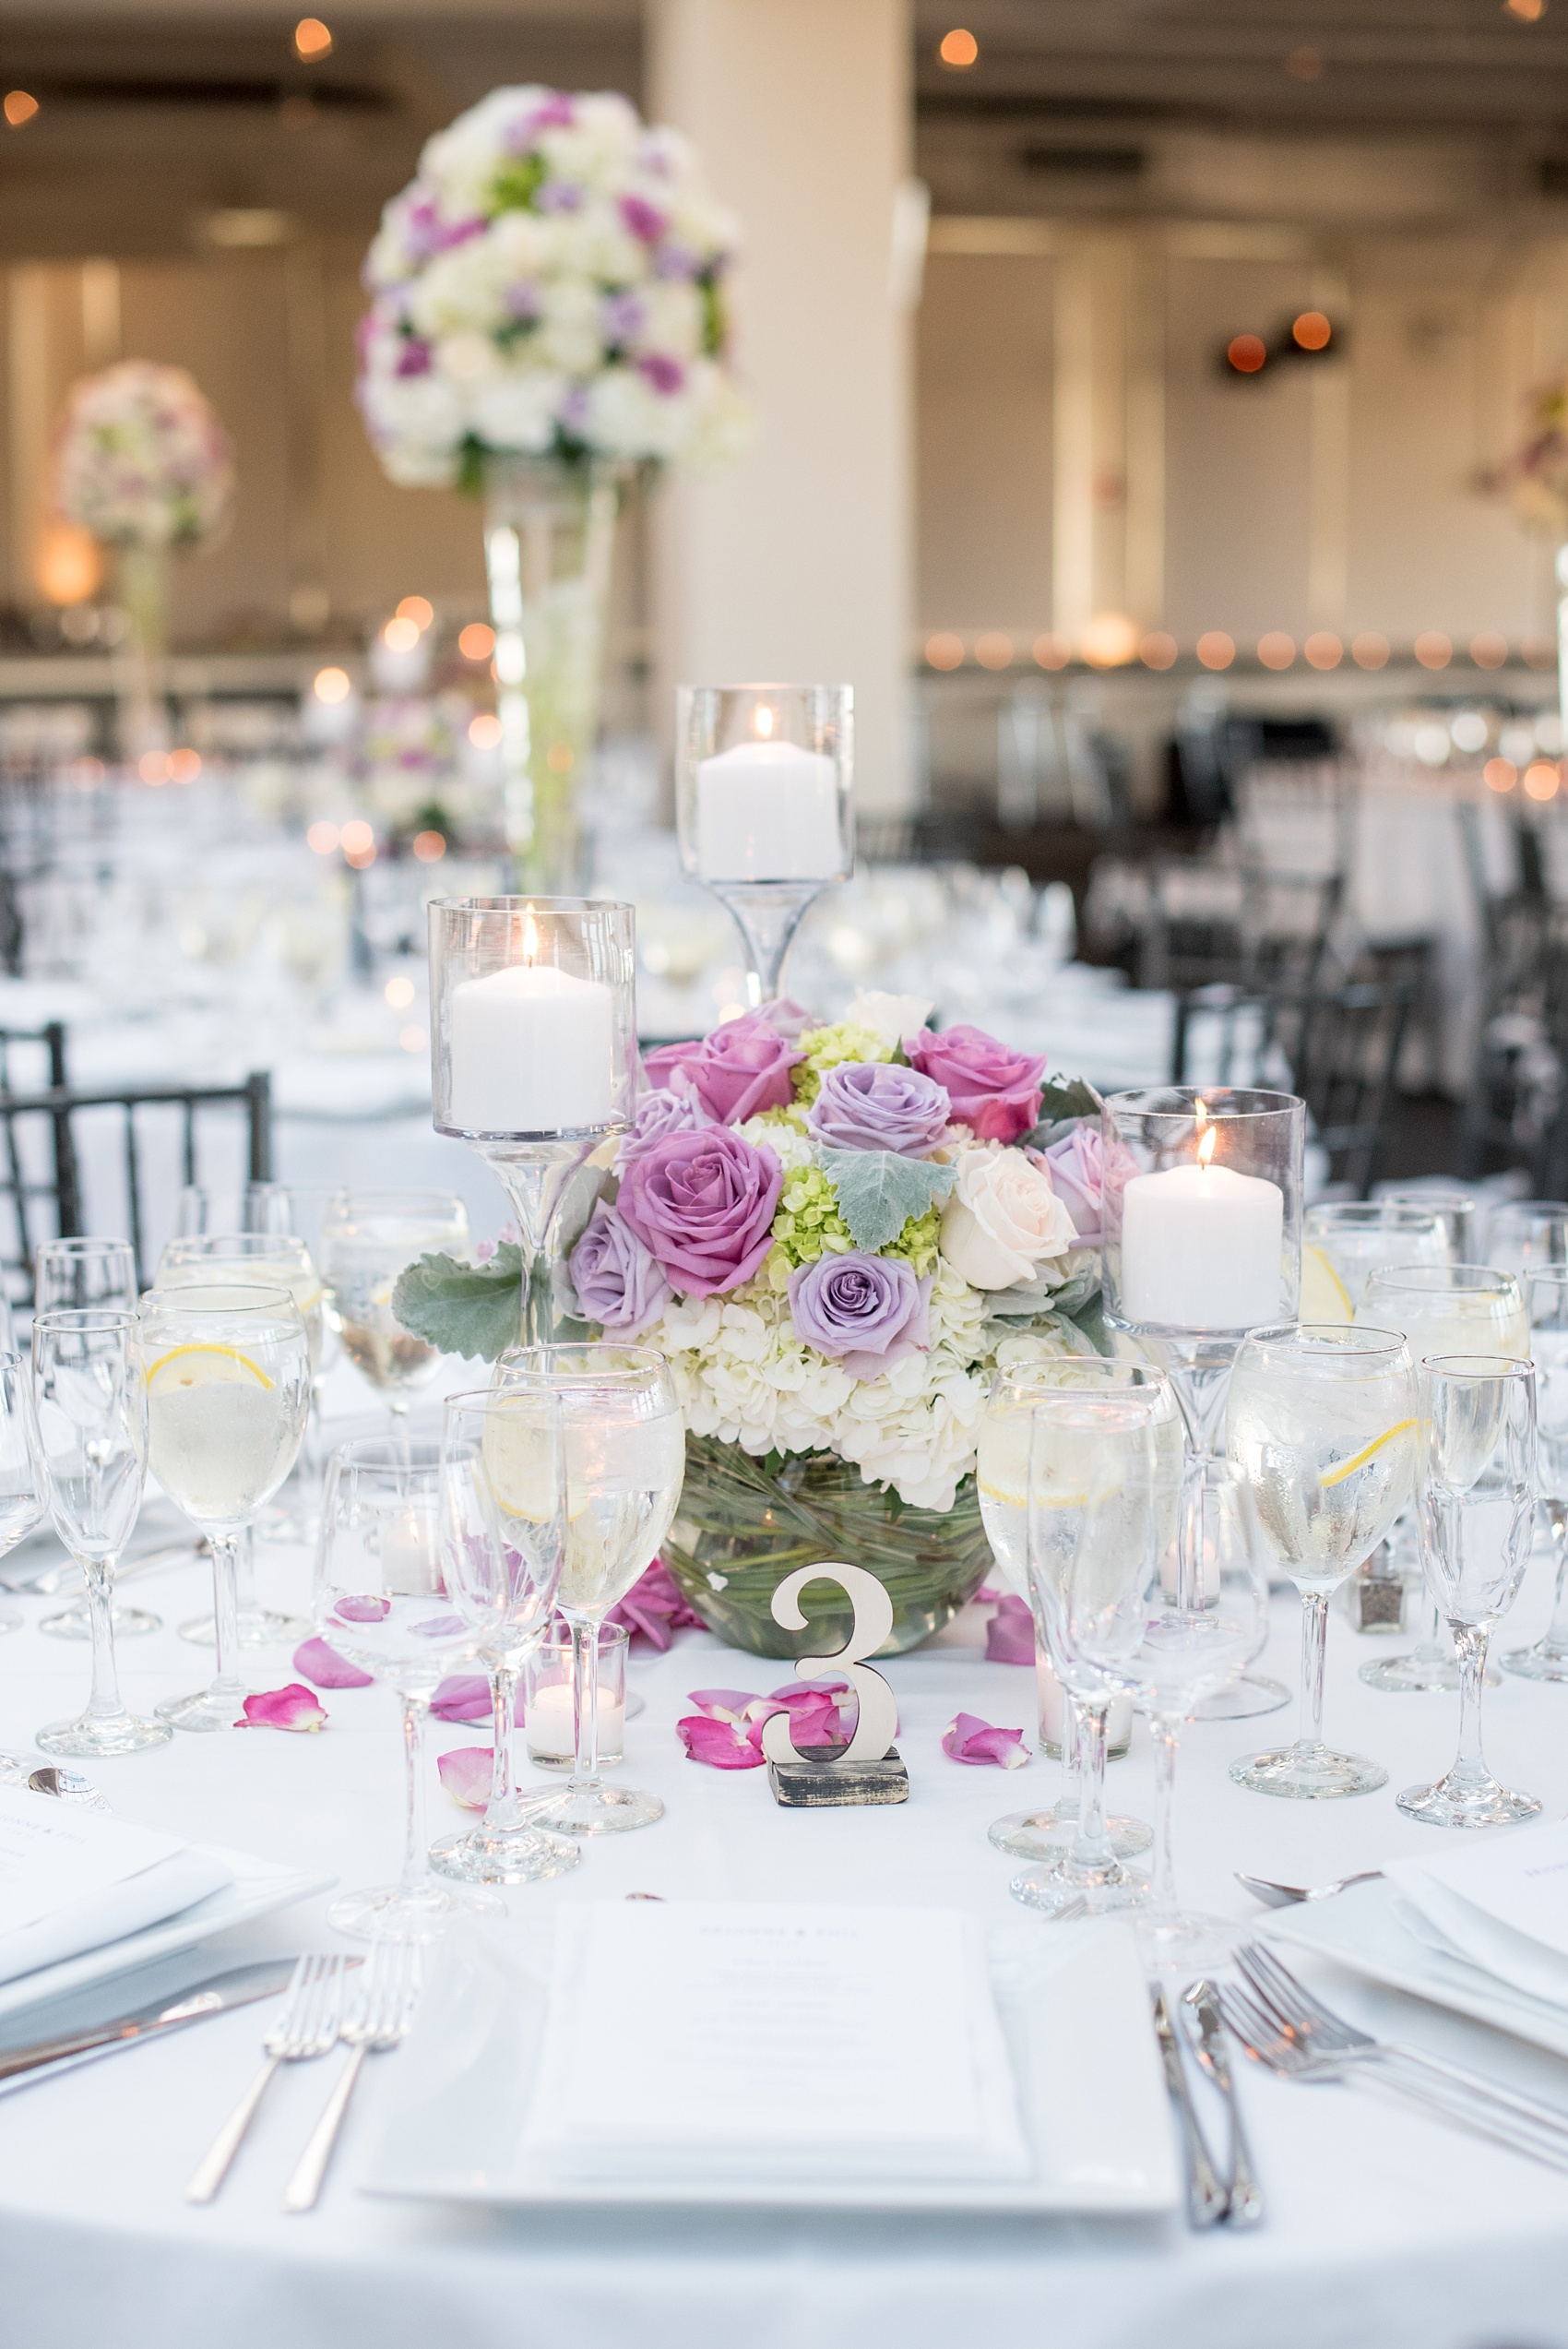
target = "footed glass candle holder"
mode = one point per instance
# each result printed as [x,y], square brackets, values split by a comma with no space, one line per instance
[533,1052]
[763,776]
[1202,1242]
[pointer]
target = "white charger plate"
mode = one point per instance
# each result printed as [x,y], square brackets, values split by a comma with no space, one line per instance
[259,1887]
[1075,2009]
[1360,1929]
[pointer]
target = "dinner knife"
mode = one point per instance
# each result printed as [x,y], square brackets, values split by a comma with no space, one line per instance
[1207,2198]
[20,2065]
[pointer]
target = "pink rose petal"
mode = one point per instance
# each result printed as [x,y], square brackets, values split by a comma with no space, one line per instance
[466,1772]
[724,1704]
[464,1696]
[724,1745]
[653,1609]
[967,1738]
[1010,1634]
[325,1668]
[294,1707]
[366,1609]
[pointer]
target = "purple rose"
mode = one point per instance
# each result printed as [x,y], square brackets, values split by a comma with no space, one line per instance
[1076,1168]
[660,1114]
[870,1311]
[786,1018]
[617,1281]
[872,1104]
[666,375]
[644,221]
[744,1067]
[703,1203]
[993,1092]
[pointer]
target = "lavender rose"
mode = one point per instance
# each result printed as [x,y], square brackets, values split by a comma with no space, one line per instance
[869,1311]
[1077,1167]
[993,1092]
[703,1204]
[872,1104]
[618,1283]
[742,1067]
[660,1114]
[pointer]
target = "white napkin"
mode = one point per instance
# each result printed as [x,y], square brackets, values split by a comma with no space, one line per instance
[72,1879]
[773,2042]
[1502,1908]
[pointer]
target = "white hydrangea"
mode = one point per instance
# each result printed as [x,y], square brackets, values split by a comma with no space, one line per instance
[785,1137]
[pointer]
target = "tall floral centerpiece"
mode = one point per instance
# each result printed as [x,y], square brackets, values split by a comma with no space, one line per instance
[547,316]
[144,464]
[836,1235]
[1535,479]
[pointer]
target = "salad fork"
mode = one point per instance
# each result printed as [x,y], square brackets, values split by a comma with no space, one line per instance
[379,2018]
[308,2026]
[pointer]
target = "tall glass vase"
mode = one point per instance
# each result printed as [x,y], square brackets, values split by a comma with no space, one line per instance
[142,582]
[549,535]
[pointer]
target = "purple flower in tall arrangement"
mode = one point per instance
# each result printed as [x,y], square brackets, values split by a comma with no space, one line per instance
[618,1283]
[666,375]
[872,1105]
[993,1092]
[703,1205]
[870,1312]
[1077,1167]
[644,221]
[622,317]
[742,1067]
[657,1113]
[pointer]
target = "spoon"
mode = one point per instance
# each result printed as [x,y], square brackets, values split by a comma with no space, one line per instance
[1282,1896]
[69,1784]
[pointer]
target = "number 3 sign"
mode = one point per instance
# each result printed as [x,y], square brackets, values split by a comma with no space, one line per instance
[867,1769]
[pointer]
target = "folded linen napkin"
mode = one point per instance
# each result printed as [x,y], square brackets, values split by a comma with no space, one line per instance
[72,1879]
[1502,1909]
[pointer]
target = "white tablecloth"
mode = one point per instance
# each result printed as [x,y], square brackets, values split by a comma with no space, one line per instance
[1384,2228]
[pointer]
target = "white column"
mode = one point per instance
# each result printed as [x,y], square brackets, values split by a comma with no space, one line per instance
[795,563]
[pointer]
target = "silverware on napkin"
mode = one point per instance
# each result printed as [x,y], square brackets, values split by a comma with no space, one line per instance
[1209,2041]
[1285,1896]
[1205,2196]
[379,2018]
[308,2026]
[19,2066]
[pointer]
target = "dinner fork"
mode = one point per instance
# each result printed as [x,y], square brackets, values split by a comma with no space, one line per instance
[308,2026]
[379,2018]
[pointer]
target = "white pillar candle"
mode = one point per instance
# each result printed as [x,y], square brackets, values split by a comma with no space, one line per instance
[531,1052]
[550,1724]
[769,811]
[1202,1248]
[1053,1711]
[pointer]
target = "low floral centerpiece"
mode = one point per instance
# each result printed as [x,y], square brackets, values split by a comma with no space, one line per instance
[836,1235]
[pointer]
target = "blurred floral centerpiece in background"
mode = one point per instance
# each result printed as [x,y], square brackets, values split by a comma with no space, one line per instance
[547,313]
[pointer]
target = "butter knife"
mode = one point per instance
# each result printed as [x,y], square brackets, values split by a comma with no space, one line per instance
[1207,2199]
[19,2066]
[1209,2041]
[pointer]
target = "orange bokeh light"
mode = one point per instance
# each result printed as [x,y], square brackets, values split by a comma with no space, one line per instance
[944,651]
[994,650]
[1432,649]
[476,642]
[1216,649]
[484,732]
[332,686]
[70,565]
[20,107]
[1311,331]
[959,49]
[1488,652]
[1369,651]
[400,634]
[1501,774]
[1051,651]
[1541,779]
[419,609]
[311,40]
[1158,650]
[324,838]
[429,847]
[1324,650]
[1277,650]
[1246,352]
[1109,641]
[356,837]
[184,766]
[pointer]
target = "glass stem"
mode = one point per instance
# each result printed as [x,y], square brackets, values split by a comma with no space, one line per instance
[1556,1640]
[1470,1640]
[504,1701]
[244,1584]
[1432,1645]
[1164,1873]
[415,1712]
[1091,1846]
[225,1612]
[1314,1645]
[1072,1764]
[105,1703]
[585,1702]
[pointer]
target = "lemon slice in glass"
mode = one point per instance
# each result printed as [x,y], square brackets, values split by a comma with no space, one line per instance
[1325,1297]
[204,1365]
[1342,1469]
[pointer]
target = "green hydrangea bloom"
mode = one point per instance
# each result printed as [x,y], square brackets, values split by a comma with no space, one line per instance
[828,1048]
[806,1225]
[918,1241]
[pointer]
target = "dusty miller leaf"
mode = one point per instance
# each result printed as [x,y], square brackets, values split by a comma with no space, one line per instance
[878,1191]
[472,1309]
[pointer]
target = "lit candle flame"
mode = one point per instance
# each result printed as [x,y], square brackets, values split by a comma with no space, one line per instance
[531,936]
[764,724]
[1206,1145]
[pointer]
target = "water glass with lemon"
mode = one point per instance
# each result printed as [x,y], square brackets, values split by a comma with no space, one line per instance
[1345,1241]
[1320,1421]
[228,1386]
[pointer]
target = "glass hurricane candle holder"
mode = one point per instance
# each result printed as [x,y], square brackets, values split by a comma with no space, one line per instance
[533,1052]
[1202,1242]
[762,803]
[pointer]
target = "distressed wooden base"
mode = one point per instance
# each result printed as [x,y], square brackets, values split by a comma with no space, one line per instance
[819,1782]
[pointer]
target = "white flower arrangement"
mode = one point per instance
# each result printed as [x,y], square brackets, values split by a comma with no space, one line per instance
[142,460]
[550,282]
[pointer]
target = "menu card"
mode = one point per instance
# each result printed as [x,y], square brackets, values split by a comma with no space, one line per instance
[776,2042]
[72,1879]
[1502,1906]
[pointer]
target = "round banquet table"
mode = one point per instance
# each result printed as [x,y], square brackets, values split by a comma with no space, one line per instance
[1383,2227]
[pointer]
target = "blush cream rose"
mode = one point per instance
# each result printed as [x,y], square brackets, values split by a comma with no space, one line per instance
[1002,1219]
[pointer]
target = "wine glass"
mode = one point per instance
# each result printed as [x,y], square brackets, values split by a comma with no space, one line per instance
[232,1207]
[227,1382]
[1344,1242]
[503,1483]
[389,1575]
[1474,1483]
[88,1272]
[626,1464]
[1320,1421]
[1002,1475]
[89,1433]
[1457,1209]
[1171,1623]
[1105,1464]
[22,1504]
[1455,1309]
[367,1239]
[1524,1232]
[1546,1298]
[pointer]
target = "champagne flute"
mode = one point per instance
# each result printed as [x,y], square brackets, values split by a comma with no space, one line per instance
[504,1484]
[88,1272]
[1320,1421]
[626,1464]
[1002,1473]
[1476,1486]
[404,1596]
[1105,1477]
[1344,1242]
[88,1432]
[367,1239]
[22,1505]
[1546,1296]
[1456,1308]
[228,1378]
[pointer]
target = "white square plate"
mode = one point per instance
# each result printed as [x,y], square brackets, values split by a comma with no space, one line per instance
[1074,2008]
